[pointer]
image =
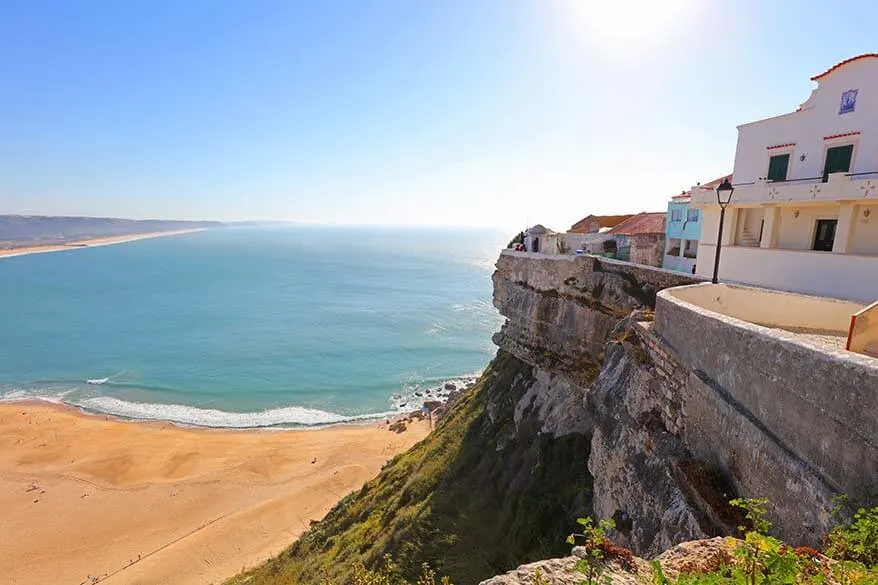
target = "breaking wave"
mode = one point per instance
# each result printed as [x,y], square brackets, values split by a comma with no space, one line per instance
[286,416]
[412,397]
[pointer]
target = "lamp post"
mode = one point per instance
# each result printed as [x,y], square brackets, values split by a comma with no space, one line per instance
[723,197]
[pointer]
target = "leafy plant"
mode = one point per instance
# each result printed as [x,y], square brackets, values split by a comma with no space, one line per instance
[856,541]
[595,542]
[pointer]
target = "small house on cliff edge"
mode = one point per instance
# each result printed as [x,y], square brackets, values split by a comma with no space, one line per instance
[804,213]
[641,238]
[590,234]
[541,239]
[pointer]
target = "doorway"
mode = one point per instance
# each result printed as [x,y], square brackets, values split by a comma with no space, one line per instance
[824,236]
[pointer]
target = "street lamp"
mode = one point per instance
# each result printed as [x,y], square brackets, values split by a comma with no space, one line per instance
[723,197]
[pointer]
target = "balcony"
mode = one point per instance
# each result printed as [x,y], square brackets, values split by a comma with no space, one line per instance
[838,187]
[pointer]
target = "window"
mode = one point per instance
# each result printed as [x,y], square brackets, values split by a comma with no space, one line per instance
[838,160]
[674,247]
[692,215]
[691,250]
[778,166]
[677,214]
[824,235]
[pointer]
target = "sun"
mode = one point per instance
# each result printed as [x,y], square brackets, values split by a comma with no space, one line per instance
[630,25]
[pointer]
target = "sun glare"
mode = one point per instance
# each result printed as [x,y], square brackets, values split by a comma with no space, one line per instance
[630,25]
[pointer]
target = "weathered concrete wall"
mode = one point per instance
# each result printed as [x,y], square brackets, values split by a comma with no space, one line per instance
[820,404]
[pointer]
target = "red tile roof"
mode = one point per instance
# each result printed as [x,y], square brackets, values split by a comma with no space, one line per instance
[773,146]
[604,221]
[842,135]
[642,223]
[843,63]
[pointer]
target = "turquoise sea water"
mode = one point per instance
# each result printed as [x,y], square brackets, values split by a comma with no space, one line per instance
[243,327]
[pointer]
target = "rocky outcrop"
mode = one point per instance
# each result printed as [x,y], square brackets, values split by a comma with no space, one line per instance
[572,317]
[696,556]
[632,455]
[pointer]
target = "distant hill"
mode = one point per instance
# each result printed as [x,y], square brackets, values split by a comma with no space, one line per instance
[32,230]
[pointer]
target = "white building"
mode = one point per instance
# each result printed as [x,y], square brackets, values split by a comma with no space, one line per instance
[804,213]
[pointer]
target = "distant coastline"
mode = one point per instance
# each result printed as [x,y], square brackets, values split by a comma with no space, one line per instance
[90,243]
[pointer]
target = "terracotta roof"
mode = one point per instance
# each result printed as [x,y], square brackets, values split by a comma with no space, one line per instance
[842,135]
[843,63]
[604,221]
[773,146]
[642,223]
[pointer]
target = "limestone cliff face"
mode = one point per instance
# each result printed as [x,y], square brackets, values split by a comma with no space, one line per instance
[633,450]
[571,318]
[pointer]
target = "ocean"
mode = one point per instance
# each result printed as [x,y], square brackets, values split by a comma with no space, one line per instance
[251,326]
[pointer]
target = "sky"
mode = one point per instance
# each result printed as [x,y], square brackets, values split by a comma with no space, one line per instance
[499,113]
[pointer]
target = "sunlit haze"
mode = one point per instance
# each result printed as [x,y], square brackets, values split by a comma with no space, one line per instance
[458,112]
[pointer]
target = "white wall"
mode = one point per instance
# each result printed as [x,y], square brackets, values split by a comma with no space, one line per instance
[865,237]
[807,128]
[842,276]
[797,233]
[770,308]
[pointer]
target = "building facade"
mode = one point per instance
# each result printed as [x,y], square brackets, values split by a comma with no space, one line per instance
[804,213]
[641,239]
[590,235]
[683,230]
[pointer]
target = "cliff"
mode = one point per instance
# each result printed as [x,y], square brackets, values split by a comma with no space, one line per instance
[488,489]
[588,410]
[503,477]
[572,316]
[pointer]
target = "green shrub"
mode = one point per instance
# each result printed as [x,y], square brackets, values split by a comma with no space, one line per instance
[856,541]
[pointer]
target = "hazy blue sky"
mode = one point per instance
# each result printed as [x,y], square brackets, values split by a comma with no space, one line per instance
[484,112]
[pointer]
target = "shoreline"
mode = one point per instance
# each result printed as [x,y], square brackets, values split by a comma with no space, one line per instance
[415,402]
[88,495]
[90,243]
[385,419]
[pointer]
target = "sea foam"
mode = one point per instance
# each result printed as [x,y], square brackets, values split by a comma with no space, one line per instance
[209,417]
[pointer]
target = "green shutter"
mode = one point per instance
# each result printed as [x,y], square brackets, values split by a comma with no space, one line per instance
[778,167]
[838,160]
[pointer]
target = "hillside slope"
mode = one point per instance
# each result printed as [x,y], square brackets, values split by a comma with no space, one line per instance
[485,492]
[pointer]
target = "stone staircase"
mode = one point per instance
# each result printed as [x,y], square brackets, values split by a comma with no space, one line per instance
[748,239]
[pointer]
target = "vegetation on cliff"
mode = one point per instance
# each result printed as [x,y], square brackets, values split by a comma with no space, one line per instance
[479,496]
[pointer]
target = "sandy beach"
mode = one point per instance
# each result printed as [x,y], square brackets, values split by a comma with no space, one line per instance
[89,243]
[87,497]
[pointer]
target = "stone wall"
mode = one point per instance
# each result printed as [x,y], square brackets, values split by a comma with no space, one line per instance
[817,405]
[648,249]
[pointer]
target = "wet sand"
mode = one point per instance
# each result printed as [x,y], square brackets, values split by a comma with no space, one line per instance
[86,497]
[39,249]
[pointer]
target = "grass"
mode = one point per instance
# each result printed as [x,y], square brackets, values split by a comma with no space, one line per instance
[475,498]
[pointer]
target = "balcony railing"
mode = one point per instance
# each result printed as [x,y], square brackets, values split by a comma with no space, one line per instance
[839,186]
